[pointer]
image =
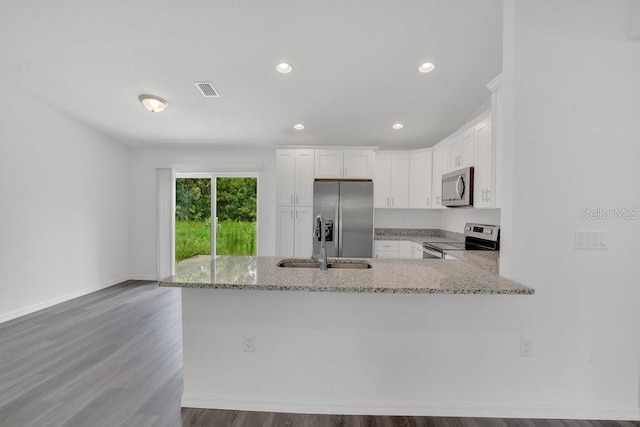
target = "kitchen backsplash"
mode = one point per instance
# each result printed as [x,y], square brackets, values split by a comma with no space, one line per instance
[452,219]
[423,232]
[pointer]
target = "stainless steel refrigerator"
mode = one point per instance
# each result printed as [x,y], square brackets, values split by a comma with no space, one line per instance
[347,206]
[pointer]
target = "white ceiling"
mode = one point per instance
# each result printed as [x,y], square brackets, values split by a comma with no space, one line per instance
[355,67]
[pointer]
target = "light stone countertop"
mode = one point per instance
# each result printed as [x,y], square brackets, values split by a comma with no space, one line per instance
[487,260]
[385,276]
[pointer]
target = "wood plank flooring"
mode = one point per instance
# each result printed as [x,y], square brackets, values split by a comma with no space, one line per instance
[114,358]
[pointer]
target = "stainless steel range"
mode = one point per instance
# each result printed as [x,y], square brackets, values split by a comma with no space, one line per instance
[477,237]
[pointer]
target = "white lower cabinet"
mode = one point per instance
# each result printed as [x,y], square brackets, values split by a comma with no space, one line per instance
[403,249]
[294,229]
[416,250]
[386,248]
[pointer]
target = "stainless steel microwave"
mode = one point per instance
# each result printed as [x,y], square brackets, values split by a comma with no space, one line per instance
[457,188]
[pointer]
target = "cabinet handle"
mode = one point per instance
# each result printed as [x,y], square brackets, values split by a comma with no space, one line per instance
[387,201]
[345,171]
[296,213]
[340,170]
[291,214]
[292,198]
[296,198]
[393,201]
[488,196]
[428,201]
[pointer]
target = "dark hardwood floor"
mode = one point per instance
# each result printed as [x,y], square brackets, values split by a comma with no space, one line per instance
[114,358]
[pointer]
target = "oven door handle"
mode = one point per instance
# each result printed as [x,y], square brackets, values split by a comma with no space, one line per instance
[432,253]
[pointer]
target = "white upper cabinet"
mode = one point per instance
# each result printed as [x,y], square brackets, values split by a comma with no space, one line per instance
[461,150]
[483,193]
[420,179]
[347,164]
[358,164]
[294,176]
[391,182]
[440,164]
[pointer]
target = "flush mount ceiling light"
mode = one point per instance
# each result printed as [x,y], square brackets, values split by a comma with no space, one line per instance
[427,67]
[397,126]
[284,68]
[153,103]
[298,126]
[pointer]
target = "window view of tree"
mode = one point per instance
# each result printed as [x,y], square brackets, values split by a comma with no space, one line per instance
[236,205]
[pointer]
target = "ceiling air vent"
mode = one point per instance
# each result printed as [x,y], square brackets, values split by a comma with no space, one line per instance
[207,89]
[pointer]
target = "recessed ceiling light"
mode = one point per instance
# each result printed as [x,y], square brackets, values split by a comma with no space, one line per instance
[427,67]
[153,103]
[298,126]
[398,126]
[284,68]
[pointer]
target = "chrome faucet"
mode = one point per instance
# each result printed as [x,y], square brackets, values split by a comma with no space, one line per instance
[320,231]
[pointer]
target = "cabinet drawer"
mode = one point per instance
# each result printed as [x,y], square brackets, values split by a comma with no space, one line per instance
[386,245]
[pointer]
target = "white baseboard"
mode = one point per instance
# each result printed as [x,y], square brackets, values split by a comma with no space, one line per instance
[51,302]
[147,278]
[453,409]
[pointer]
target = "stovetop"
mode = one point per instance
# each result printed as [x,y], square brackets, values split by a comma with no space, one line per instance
[478,237]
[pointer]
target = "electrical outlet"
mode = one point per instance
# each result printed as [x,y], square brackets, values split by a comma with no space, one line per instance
[248,343]
[526,347]
[592,240]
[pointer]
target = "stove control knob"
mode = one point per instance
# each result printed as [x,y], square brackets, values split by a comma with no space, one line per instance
[488,231]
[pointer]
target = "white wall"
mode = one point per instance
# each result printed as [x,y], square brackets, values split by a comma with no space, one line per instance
[64,207]
[193,159]
[444,219]
[571,75]
[406,218]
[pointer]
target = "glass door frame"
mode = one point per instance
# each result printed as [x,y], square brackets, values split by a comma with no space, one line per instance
[214,219]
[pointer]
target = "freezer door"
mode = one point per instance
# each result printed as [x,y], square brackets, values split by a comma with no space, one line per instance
[325,203]
[355,214]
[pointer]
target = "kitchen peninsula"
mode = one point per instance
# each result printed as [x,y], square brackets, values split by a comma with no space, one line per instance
[389,339]
[384,276]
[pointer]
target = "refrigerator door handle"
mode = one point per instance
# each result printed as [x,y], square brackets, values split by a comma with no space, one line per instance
[340,230]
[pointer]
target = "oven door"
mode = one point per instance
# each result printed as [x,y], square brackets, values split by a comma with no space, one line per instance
[428,253]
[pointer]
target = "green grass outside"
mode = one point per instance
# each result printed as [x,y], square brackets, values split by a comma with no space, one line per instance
[233,238]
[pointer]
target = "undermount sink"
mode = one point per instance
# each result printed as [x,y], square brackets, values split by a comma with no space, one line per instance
[304,263]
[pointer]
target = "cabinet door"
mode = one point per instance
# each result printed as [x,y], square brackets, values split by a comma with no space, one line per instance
[386,248]
[454,154]
[358,164]
[382,181]
[468,146]
[483,194]
[461,150]
[400,180]
[439,160]
[304,166]
[329,163]
[405,249]
[285,231]
[416,251]
[285,172]
[303,231]
[420,177]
